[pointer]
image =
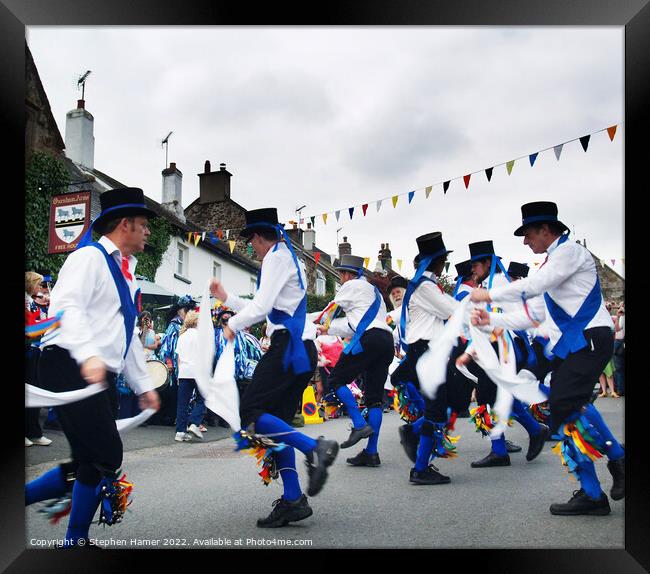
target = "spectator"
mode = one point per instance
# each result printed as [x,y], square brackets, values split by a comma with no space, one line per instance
[34,311]
[186,350]
[149,338]
[619,350]
[606,378]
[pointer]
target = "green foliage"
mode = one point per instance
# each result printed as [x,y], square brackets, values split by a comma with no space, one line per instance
[45,177]
[158,242]
[330,285]
[447,283]
[318,302]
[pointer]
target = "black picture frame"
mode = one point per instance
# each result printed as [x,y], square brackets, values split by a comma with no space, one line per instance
[634,15]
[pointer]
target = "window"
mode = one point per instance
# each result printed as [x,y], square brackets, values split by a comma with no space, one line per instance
[320,282]
[182,260]
[216,270]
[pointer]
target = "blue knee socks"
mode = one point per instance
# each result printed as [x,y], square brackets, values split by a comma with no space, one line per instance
[286,461]
[499,446]
[347,398]
[417,425]
[48,485]
[613,452]
[588,480]
[424,452]
[85,502]
[374,420]
[268,425]
[525,418]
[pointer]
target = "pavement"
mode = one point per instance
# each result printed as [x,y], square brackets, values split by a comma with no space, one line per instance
[203,494]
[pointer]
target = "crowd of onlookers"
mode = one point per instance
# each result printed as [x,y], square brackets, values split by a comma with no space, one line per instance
[613,377]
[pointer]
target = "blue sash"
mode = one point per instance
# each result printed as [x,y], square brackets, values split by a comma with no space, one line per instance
[461,296]
[369,316]
[573,339]
[531,361]
[129,310]
[295,355]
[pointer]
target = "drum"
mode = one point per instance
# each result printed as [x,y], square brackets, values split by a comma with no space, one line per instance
[159,373]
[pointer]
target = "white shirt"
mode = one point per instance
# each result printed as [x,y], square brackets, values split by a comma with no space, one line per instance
[279,289]
[355,297]
[428,309]
[395,315]
[464,288]
[620,334]
[186,348]
[92,324]
[568,276]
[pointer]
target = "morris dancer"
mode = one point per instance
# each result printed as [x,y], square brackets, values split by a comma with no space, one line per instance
[488,270]
[580,330]
[96,290]
[281,376]
[395,291]
[370,351]
[425,308]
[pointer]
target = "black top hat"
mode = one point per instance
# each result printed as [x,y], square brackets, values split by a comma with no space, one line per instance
[122,202]
[431,244]
[538,212]
[397,281]
[265,218]
[517,269]
[463,269]
[350,263]
[481,250]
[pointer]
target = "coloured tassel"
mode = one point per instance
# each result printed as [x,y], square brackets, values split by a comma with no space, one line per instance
[406,407]
[55,510]
[541,412]
[329,313]
[483,420]
[581,442]
[263,449]
[39,328]
[444,445]
[114,499]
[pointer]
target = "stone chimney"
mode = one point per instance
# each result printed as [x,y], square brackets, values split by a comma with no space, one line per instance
[309,238]
[385,257]
[214,185]
[345,248]
[295,233]
[79,138]
[172,179]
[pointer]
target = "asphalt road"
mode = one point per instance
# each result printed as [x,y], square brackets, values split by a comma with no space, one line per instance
[193,495]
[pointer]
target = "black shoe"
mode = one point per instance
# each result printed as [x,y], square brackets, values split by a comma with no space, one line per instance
[409,440]
[284,512]
[356,435]
[364,459]
[617,470]
[430,475]
[580,503]
[512,447]
[537,441]
[492,460]
[326,451]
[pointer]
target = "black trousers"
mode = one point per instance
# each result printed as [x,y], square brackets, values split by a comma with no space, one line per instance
[434,410]
[89,424]
[274,390]
[486,392]
[574,377]
[459,387]
[372,362]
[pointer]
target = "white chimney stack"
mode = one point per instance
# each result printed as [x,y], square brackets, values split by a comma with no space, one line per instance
[308,238]
[172,191]
[79,138]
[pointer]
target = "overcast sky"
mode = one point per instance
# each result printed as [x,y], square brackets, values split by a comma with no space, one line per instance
[337,117]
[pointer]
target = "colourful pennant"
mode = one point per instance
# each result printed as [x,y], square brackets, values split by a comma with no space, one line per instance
[532,157]
[411,194]
[325,218]
[189,237]
[446,266]
[558,150]
[231,243]
[466,179]
[445,186]
[212,238]
[337,213]
[313,221]
[399,264]
[197,236]
[427,191]
[488,173]
[509,166]
[350,211]
[366,262]
[395,198]
[613,262]
[379,205]
[364,207]
[602,263]
[610,132]
[584,140]
[316,257]
[203,236]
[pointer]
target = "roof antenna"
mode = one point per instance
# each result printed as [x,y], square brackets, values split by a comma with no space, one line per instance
[82,82]
[165,143]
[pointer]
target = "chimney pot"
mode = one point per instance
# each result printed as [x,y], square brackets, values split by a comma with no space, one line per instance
[207,166]
[309,226]
[172,165]
[222,166]
[81,104]
[345,239]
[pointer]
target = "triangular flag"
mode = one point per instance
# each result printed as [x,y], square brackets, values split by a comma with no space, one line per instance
[227,233]
[427,191]
[211,237]
[488,173]
[584,140]
[395,197]
[325,218]
[197,236]
[509,166]
[189,237]
[220,234]
[313,221]
[446,265]
[602,263]
[365,208]
[366,262]
[337,214]
[399,264]
[379,205]
[232,245]
[610,132]
[445,186]
[316,257]
[350,211]
[203,236]
[558,150]
[613,262]
[411,194]
[466,179]
[532,157]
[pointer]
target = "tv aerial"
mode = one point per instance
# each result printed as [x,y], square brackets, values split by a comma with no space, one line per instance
[82,82]
[165,143]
